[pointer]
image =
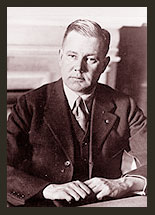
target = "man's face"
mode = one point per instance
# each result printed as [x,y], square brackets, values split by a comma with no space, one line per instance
[82,62]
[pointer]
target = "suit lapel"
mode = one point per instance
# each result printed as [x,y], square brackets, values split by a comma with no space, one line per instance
[103,117]
[58,119]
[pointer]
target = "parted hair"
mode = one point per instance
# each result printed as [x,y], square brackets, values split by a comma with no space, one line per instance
[90,29]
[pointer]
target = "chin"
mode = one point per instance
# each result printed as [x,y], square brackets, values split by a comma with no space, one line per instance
[82,90]
[78,86]
[77,89]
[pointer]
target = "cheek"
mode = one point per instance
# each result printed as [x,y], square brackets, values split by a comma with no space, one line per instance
[94,73]
[67,66]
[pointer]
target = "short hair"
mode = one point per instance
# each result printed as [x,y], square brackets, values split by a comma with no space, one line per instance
[90,29]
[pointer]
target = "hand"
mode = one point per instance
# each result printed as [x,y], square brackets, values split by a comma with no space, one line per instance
[68,191]
[113,187]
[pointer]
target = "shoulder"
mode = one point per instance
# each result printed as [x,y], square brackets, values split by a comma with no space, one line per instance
[123,103]
[110,93]
[40,95]
[120,100]
[41,91]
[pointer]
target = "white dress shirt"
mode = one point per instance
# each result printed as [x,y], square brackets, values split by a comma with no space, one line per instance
[72,96]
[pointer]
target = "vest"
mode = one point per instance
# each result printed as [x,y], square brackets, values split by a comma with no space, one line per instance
[81,150]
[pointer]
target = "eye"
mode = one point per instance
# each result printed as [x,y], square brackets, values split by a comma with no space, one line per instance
[91,60]
[72,56]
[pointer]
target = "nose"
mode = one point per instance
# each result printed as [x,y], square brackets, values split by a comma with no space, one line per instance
[79,65]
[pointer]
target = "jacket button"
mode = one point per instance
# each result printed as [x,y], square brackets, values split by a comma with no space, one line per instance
[107,121]
[62,170]
[67,163]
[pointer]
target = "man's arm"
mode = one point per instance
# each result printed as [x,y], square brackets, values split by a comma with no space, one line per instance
[133,180]
[21,185]
[134,162]
[115,188]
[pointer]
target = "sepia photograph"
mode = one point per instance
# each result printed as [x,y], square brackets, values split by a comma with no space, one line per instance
[76,107]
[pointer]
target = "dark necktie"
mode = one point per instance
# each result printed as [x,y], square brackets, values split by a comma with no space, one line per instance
[80,112]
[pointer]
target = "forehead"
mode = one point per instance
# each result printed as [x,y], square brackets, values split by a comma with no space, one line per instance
[78,42]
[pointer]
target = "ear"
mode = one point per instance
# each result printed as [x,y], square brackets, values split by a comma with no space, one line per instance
[106,62]
[60,55]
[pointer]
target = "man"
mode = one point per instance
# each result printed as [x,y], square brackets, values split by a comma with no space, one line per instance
[75,141]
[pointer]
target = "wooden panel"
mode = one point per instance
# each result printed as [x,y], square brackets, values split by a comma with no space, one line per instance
[132,69]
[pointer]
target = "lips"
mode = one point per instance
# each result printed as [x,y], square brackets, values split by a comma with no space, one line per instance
[78,78]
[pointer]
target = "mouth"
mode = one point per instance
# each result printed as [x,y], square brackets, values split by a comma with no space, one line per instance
[77,78]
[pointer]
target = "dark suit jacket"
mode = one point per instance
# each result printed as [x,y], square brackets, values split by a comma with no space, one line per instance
[40,139]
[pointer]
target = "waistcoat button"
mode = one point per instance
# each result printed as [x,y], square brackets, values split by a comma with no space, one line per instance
[107,121]
[67,163]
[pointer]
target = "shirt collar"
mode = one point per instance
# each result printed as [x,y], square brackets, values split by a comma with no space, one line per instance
[72,96]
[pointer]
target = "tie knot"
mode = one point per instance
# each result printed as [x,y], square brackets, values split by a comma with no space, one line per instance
[81,113]
[78,101]
[81,104]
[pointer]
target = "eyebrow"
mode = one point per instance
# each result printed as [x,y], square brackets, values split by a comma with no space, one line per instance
[71,52]
[91,54]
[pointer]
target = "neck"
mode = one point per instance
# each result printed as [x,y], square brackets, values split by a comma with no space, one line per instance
[87,91]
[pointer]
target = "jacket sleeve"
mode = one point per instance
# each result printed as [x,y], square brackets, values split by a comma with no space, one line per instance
[21,184]
[138,139]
